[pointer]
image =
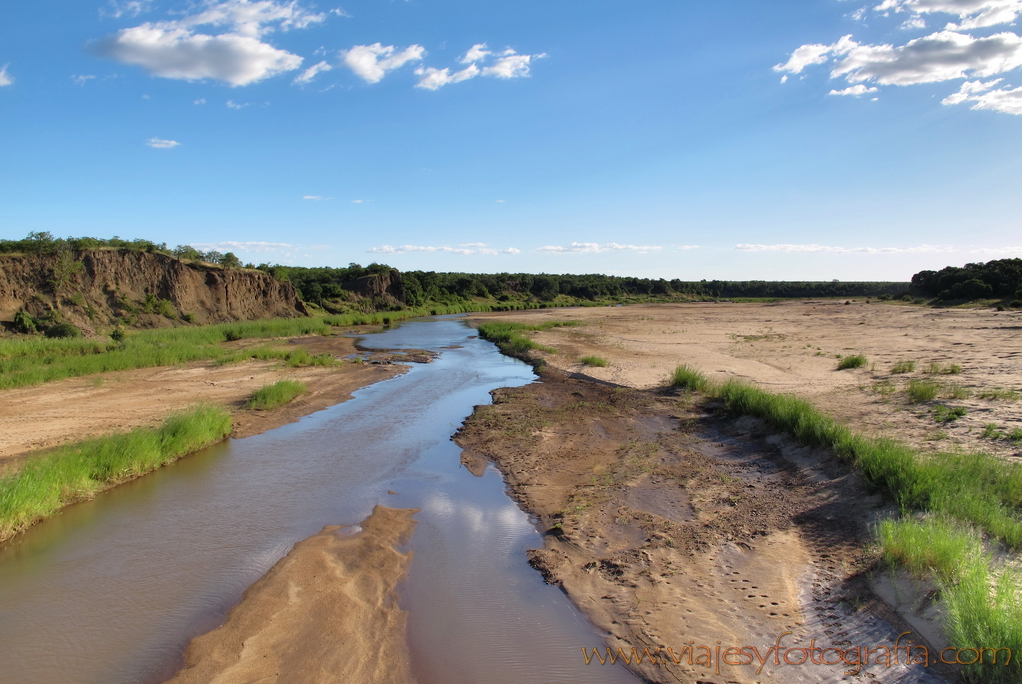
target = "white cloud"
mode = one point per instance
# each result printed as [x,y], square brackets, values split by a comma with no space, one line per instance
[465,249]
[475,54]
[432,79]
[589,247]
[5,78]
[82,80]
[511,66]
[311,72]
[687,247]
[238,56]
[825,249]
[941,56]
[161,144]
[999,251]
[127,8]
[231,104]
[315,198]
[855,91]
[372,62]
[200,101]
[972,13]
[1003,100]
[248,247]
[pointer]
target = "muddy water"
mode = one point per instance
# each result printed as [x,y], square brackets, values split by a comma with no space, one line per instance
[110,591]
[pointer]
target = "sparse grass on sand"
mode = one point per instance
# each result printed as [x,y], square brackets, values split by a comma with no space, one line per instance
[277,394]
[921,391]
[510,337]
[961,496]
[597,361]
[903,367]
[76,472]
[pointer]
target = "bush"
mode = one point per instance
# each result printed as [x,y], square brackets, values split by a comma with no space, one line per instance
[687,377]
[117,334]
[24,323]
[854,361]
[63,330]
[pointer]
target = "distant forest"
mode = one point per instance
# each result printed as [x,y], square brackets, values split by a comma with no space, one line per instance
[1000,279]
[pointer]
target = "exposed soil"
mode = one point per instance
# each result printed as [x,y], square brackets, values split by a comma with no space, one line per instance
[325,613]
[792,347]
[671,525]
[45,416]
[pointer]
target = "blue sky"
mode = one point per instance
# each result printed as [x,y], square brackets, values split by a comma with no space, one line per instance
[765,139]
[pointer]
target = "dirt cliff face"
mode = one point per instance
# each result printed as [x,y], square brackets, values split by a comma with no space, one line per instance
[139,288]
[386,287]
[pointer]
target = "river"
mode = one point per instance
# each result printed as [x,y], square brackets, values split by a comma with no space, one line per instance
[111,590]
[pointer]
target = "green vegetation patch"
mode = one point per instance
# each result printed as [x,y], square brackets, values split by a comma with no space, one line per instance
[277,394]
[510,338]
[78,471]
[921,391]
[905,366]
[597,361]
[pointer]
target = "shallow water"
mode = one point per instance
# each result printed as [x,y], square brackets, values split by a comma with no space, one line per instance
[111,590]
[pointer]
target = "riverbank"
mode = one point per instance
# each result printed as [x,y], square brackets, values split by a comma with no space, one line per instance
[46,416]
[672,526]
[325,613]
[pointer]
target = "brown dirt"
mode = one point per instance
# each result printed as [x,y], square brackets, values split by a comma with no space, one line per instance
[325,613]
[792,346]
[670,526]
[42,417]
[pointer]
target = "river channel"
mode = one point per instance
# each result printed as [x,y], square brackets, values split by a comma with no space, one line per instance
[110,591]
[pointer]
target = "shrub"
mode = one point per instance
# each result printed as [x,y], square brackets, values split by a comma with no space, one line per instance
[63,330]
[277,394]
[946,414]
[920,391]
[24,323]
[189,318]
[117,334]
[854,361]
[594,361]
[165,308]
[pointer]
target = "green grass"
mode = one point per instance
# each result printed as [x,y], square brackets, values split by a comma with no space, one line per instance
[854,361]
[946,414]
[597,361]
[510,338]
[944,369]
[921,391]
[905,366]
[962,494]
[277,394]
[1000,394]
[76,472]
[687,377]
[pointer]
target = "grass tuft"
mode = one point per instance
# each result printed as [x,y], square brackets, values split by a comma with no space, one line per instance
[597,361]
[687,377]
[905,366]
[854,361]
[277,394]
[921,391]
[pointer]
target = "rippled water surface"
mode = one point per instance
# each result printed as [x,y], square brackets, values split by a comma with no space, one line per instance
[111,590]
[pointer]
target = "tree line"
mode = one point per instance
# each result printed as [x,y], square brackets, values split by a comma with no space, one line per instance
[1001,278]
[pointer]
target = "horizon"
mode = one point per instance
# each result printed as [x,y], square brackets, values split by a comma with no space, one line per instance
[778,141]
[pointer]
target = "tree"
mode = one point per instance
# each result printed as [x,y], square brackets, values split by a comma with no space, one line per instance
[229,260]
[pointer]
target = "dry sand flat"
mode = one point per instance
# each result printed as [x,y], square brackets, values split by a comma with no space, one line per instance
[48,415]
[324,614]
[792,346]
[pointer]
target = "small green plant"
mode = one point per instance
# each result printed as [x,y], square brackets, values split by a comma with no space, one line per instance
[955,391]
[921,391]
[164,308]
[62,330]
[854,361]
[277,394]
[597,361]
[1015,435]
[946,414]
[903,367]
[885,388]
[118,334]
[934,546]
[991,431]
[189,318]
